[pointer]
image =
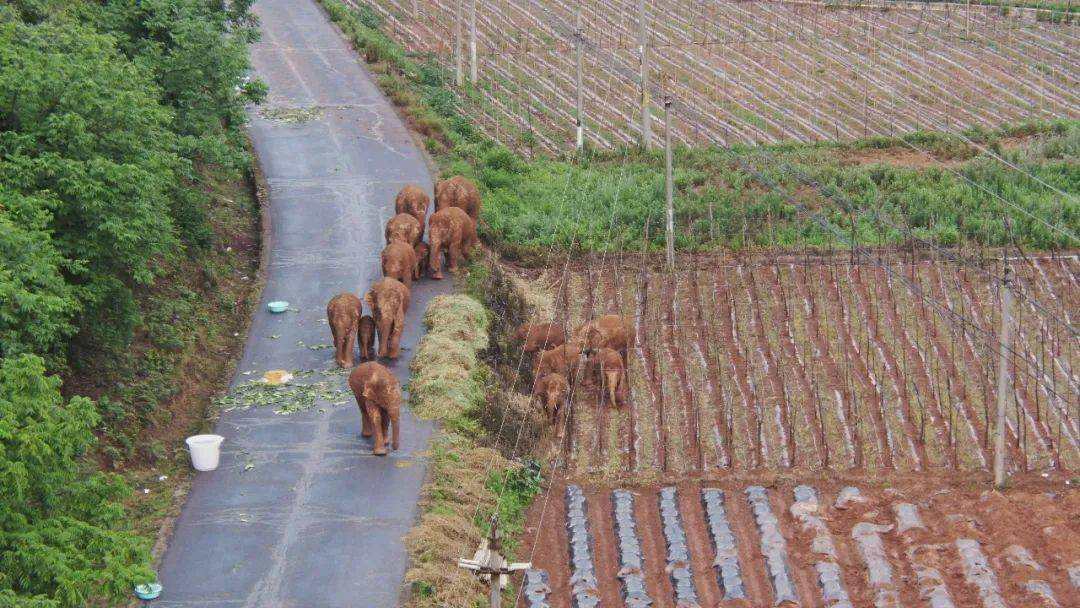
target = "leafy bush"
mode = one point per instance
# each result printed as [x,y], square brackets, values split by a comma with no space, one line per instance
[108,114]
[63,540]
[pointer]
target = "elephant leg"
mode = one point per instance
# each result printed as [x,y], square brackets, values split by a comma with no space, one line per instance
[612,385]
[365,430]
[350,346]
[379,447]
[455,255]
[395,340]
[435,261]
[339,355]
[384,343]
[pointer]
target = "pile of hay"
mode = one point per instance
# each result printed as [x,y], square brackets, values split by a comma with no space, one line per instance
[448,384]
[448,378]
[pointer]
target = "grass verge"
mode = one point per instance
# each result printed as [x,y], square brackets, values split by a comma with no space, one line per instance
[467,481]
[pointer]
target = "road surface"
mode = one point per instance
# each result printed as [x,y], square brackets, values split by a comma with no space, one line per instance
[300,513]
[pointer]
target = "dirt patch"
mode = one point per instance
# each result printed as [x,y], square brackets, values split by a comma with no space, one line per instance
[896,157]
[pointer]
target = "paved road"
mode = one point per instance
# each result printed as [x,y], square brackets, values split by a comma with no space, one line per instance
[316,520]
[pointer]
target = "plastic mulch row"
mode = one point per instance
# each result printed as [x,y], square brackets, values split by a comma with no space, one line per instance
[630,557]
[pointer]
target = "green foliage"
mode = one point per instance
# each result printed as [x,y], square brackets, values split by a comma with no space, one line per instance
[109,114]
[63,541]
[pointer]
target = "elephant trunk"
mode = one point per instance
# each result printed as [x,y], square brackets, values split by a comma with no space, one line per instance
[435,254]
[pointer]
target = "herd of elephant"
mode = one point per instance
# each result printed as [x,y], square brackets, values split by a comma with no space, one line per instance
[600,344]
[406,258]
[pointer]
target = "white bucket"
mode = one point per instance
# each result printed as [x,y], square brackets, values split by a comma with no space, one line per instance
[205,451]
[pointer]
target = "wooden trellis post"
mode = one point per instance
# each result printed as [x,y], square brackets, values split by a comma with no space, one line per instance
[643,53]
[459,59]
[1003,378]
[472,42]
[579,41]
[668,187]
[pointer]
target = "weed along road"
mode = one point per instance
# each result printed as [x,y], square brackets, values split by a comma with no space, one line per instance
[300,513]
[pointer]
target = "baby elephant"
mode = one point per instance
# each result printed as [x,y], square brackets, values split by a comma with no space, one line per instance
[540,336]
[343,312]
[367,338]
[403,227]
[378,394]
[388,301]
[399,262]
[559,360]
[606,366]
[551,391]
[611,331]
[458,192]
[420,252]
[451,233]
[414,201]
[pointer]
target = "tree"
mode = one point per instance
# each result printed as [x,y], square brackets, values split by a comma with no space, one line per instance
[63,540]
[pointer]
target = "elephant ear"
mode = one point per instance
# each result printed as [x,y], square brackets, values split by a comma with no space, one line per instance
[369,297]
[369,388]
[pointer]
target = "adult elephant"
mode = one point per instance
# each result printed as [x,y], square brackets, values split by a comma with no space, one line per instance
[414,201]
[403,227]
[610,331]
[460,192]
[399,262]
[388,300]
[451,233]
[378,394]
[343,313]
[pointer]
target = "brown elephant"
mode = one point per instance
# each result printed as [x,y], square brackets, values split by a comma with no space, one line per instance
[562,359]
[399,262]
[414,201]
[540,336]
[611,331]
[367,338]
[378,394]
[403,227]
[458,192]
[451,233]
[551,391]
[605,366]
[343,313]
[388,300]
[420,252]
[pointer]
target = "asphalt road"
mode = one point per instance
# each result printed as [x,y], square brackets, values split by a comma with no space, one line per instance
[300,513]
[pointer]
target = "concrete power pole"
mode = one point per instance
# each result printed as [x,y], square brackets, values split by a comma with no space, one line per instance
[472,41]
[1003,378]
[459,59]
[579,42]
[643,51]
[668,185]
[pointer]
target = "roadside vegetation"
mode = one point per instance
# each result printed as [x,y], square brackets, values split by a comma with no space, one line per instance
[128,252]
[468,480]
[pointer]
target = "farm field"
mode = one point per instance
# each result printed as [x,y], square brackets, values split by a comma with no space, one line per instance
[788,363]
[764,389]
[750,72]
[740,543]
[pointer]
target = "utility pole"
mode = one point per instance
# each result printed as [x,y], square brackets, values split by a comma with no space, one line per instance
[579,42]
[459,59]
[668,186]
[472,41]
[490,566]
[643,52]
[1003,377]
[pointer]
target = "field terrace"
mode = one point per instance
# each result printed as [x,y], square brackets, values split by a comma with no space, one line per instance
[754,72]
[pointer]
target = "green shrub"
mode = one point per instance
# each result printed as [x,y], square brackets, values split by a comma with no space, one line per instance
[63,539]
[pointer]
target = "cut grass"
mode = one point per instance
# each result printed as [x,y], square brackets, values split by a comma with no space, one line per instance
[467,482]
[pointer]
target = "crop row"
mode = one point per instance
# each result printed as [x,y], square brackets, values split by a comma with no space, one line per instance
[695,544]
[754,72]
[763,364]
